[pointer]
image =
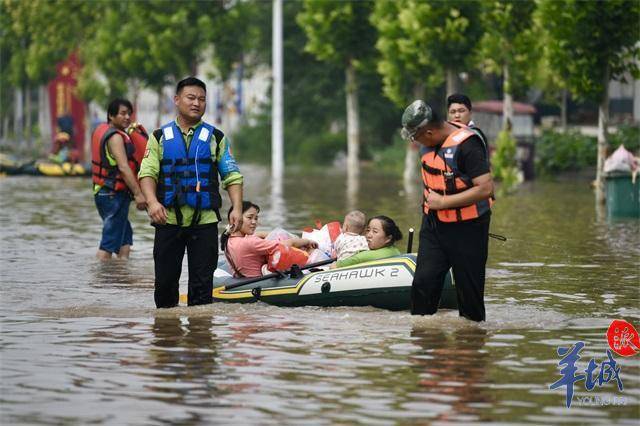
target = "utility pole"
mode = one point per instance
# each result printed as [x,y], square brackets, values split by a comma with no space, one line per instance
[277,149]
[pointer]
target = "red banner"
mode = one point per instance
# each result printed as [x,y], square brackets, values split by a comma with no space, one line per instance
[67,111]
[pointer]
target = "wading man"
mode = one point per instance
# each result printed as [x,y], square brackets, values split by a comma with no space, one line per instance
[115,160]
[179,177]
[457,200]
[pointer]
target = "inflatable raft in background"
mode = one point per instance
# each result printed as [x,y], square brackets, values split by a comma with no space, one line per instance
[384,284]
[42,168]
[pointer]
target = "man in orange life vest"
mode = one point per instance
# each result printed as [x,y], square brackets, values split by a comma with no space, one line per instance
[115,161]
[458,190]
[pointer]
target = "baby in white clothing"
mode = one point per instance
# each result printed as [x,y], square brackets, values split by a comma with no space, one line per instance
[351,241]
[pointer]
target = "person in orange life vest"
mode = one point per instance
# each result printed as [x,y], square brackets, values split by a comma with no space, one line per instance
[114,180]
[250,255]
[185,163]
[458,190]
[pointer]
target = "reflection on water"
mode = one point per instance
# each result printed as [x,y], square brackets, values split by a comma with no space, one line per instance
[82,342]
[453,370]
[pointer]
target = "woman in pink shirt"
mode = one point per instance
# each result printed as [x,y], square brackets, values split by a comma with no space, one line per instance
[248,252]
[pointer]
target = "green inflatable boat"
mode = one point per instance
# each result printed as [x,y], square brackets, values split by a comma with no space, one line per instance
[384,283]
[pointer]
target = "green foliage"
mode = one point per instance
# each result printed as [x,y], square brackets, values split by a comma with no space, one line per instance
[154,42]
[405,68]
[629,136]
[390,159]
[510,40]
[38,34]
[253,143]
[561,152]
[505,167]
[313,148]
[240,33]
[590,42]
[338,31]
[418,40]
[558,152]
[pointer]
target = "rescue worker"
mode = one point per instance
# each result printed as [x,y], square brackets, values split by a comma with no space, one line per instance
[179,177]
[115,161]
[459,110]
[458,190]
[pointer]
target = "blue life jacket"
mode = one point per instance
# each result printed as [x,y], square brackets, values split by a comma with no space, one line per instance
[188,175]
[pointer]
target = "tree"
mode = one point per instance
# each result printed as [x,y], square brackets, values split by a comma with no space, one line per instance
[449,31]
[418,43]
[592,43]
[509,46]
[156,42]
[36,36]
[408,69]
[149,44]
[340,33]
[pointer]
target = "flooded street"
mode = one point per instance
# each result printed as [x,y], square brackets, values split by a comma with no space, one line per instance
[82,342]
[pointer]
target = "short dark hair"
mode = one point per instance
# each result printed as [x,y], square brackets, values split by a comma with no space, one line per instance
[389,227]
[114,107]
[190,81]
[459,98]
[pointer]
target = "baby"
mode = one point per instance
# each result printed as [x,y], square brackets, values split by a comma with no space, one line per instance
[351,241]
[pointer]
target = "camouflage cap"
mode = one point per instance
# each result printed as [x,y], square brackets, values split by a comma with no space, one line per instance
[415,116]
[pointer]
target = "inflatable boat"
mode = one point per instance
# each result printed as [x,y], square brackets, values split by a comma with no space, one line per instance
[44,168]
[384,283]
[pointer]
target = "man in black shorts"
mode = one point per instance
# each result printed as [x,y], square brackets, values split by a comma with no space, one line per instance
[457,200]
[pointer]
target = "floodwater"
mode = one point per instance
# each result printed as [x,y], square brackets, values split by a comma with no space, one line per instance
[82,343]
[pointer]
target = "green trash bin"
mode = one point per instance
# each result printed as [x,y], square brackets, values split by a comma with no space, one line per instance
[623,196]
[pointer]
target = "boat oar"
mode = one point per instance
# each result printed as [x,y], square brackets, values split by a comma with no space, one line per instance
[278,274]
[410,241]
[498,237]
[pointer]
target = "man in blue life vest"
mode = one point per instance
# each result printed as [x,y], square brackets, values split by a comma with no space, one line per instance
[114,164]
[179,177]
[458,190]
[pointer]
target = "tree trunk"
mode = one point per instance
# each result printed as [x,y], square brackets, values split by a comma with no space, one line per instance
[159,107]
[603,122]
[5,128]
[507,105]
[452,82]
[18,110]
[353,121]
[44,117]
[28,116]
[563,111]
[410,173]
[85,154]
[135,93]
[88,132]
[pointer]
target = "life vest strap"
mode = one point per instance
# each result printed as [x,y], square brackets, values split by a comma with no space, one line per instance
[431,170]
[184,161]
[184,174]
[189,188]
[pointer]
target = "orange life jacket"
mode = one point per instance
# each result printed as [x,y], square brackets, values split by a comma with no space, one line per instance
[105,174]
[139,136]
[440,173]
